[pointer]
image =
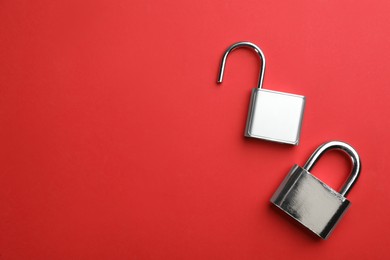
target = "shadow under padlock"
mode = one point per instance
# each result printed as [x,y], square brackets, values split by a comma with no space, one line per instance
[273,116]
[292,227]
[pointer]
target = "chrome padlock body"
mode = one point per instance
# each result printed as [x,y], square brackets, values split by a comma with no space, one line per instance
[273,116]
[309,200]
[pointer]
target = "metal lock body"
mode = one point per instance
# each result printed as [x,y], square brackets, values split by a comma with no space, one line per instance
[273,116]
[310,201]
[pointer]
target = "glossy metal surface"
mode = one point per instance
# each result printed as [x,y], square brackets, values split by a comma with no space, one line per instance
[349,150]
[273,116]
[245,45]
[310,201]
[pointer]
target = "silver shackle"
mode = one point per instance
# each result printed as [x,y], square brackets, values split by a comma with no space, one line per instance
[356,164]
[247,45]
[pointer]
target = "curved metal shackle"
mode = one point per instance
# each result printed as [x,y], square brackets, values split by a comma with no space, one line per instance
[247,45]
[356,164]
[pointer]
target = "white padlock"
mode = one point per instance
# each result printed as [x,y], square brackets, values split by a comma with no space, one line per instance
[273,116]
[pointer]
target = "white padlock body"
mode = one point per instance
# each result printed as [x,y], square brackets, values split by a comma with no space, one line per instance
[275,116]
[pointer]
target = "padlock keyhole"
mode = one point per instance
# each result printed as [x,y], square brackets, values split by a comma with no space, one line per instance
[333,168]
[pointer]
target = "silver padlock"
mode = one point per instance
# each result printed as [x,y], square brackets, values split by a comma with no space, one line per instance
[273,116]
[310,201]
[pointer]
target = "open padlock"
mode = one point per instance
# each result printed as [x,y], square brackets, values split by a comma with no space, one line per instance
[273,116]
[310,201]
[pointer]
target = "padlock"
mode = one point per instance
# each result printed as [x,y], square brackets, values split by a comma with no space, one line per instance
[310,201]
[273,116]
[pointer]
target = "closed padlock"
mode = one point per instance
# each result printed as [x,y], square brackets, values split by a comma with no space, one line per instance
[273,116]
[310,201]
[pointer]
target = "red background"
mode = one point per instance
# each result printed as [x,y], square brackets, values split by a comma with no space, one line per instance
[117,143]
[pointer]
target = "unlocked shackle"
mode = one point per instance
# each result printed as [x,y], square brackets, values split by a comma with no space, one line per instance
[246,45]
[349,150]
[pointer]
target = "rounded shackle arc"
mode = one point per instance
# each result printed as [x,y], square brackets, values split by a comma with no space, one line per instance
[246,45]
[349,150]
